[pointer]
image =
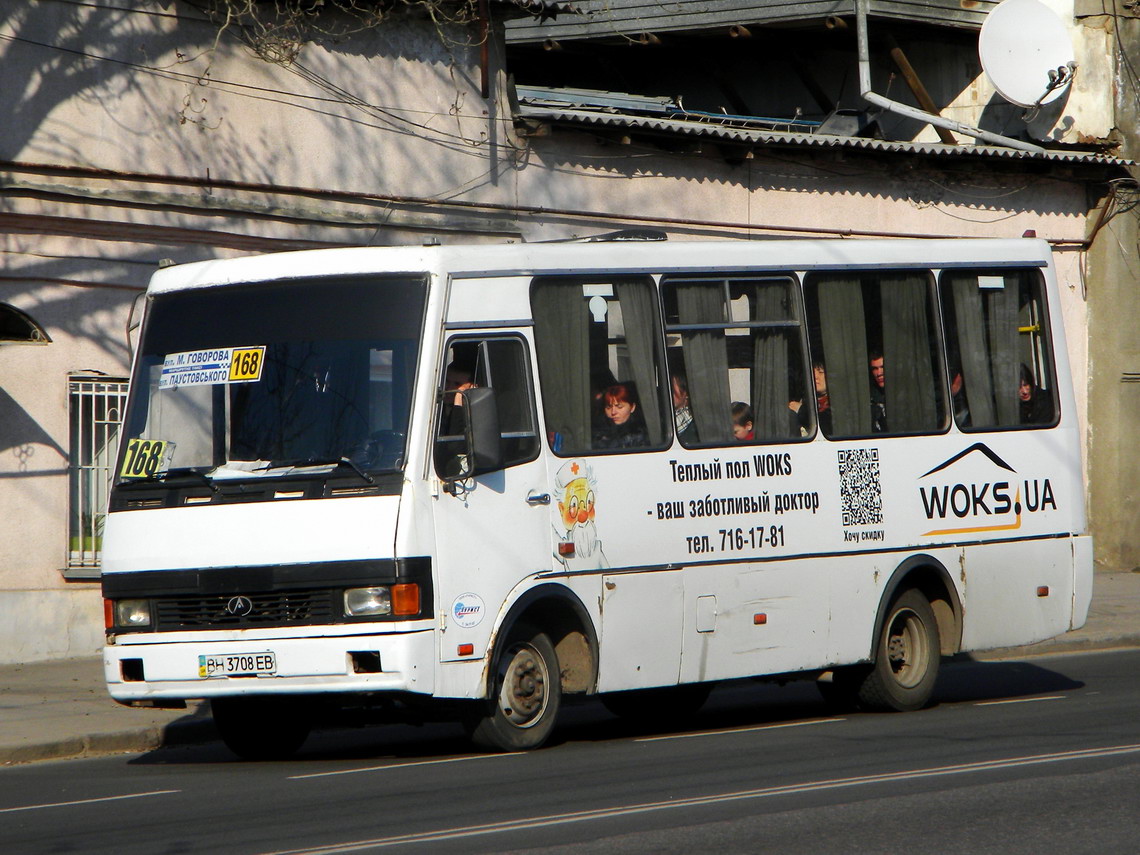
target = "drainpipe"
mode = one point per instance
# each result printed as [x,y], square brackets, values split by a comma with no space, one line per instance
[914,112]
[484,50]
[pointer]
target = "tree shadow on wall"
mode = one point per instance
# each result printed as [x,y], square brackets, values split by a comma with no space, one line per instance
[19,431]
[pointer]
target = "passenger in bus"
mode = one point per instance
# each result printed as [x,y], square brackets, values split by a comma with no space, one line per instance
[682,414]
[1035,405]
[624,424]
[449,451]
[878,393]
[456,379]
[958,400]
[742,422]
[822,403]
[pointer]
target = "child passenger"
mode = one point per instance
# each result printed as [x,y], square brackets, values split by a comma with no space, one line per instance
[742,422]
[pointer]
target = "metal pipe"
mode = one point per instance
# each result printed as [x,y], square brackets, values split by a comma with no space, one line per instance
[913,112]
[917,89]
[484,50]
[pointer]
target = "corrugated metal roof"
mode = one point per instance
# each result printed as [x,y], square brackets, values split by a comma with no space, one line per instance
[732,130]
[595,19]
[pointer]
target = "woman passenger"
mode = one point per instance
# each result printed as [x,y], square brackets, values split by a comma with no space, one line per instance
[624,424]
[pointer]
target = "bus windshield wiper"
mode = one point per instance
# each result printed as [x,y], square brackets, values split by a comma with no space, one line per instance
[172,474]
[302,462]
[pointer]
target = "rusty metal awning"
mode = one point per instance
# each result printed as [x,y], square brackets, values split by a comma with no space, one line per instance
[601,19]
[612,112]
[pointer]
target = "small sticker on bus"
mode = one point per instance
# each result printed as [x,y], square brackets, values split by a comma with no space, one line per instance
[467,610]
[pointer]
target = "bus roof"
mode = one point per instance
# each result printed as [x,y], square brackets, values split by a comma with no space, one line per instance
[464,261]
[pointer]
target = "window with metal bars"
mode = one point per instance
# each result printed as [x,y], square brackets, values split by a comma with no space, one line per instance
[96,406]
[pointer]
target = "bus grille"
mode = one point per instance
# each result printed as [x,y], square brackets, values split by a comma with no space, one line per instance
[266,609]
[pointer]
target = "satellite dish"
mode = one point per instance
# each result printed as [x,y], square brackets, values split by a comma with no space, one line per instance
[1026,52]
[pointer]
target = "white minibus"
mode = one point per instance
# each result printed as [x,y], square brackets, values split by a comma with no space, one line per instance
[467,481]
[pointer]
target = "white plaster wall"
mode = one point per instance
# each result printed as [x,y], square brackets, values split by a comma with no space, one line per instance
[39,625]
[42,615]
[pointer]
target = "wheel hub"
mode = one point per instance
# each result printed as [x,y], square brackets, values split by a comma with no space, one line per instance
[524,688]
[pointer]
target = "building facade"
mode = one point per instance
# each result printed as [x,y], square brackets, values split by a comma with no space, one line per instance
[138,134]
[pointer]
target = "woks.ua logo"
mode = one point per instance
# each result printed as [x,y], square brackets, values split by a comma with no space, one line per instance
[976,491]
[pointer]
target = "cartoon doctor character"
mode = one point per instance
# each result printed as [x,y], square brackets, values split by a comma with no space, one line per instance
[576,486]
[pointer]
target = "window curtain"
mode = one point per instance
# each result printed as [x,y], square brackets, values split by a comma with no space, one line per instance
[911,390]
[706,359]
[1003,332]
[844,336]
[771,366]
[973,350]
[562,338]
[639,312]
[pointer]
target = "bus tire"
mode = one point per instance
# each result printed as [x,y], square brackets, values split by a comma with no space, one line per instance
[907,654]
[263,727]
[665,705]
[526,694]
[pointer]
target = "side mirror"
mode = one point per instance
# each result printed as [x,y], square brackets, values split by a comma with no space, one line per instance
[478,449]
[483,435]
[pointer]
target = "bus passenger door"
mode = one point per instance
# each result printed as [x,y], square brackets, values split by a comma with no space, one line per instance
[492,529]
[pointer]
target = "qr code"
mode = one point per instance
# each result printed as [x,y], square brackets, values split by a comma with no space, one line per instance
[860,490]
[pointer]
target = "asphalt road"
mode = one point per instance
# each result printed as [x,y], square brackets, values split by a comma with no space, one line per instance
[1016,757]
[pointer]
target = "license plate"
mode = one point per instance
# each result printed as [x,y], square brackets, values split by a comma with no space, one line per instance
[238,665]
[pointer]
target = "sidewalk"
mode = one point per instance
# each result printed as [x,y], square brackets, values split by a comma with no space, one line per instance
[61,709]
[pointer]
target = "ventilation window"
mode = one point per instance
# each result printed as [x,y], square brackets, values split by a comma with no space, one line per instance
[19,327]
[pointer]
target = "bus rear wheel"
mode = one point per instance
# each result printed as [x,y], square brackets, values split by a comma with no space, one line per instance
[263,727]
[907,655]
[526,693]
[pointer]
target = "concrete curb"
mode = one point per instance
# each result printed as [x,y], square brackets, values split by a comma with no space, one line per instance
[1058,646]
[131,741]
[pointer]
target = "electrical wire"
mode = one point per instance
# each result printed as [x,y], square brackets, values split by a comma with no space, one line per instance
[389,116]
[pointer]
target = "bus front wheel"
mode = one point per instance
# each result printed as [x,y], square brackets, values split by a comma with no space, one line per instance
[526,693]
[907,655]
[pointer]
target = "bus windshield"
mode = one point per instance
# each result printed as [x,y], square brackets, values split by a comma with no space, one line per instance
[259,380]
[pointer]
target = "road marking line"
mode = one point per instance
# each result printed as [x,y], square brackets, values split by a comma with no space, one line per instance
[1020,701]
[89,801]
[701,801]
[738,730]
[403,765]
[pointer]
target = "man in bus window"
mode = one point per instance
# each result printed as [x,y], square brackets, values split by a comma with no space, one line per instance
[878,393]
[1035,406]
[958,399]
[682,414]
[822,403]
[452,419]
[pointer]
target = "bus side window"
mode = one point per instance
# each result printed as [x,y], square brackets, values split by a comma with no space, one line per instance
[598,343]
[500,364]
[736,359]
[1000,352]
[875,335]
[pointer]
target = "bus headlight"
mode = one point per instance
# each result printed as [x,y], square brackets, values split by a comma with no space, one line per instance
[402,599]
[132,613]
[359,602]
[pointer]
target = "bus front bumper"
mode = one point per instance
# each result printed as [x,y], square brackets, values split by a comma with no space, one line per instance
[155,669]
